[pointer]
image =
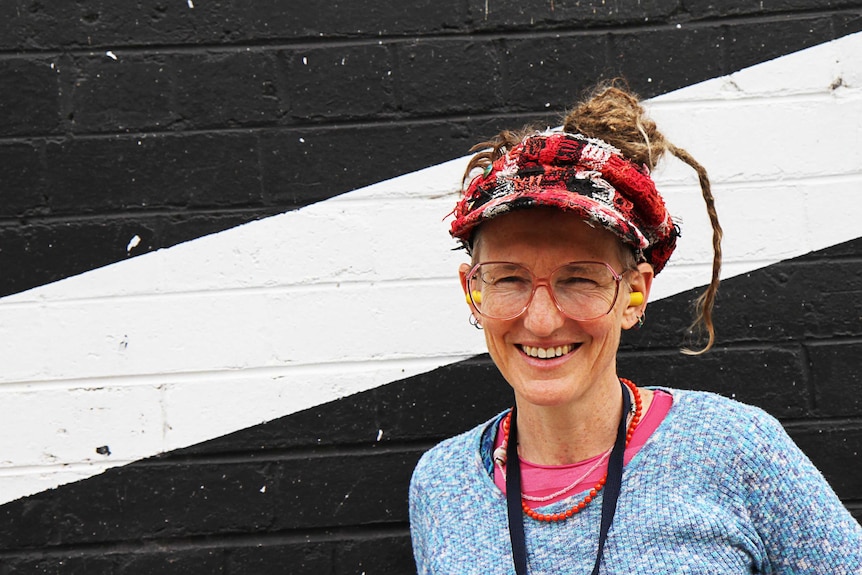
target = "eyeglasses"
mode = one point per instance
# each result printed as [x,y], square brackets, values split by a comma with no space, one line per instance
[580,290]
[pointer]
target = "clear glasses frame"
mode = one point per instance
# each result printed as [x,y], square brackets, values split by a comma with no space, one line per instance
[475,295]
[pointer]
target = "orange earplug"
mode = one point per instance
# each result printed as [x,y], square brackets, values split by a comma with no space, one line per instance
[637,298]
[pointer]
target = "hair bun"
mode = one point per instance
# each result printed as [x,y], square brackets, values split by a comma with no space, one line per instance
[615,115]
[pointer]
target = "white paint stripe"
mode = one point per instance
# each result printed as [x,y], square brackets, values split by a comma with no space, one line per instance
[181,345]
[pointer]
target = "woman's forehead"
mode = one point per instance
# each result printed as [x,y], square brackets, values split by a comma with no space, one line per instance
[544,232]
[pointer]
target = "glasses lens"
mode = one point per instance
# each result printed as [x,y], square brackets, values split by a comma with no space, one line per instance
[583,291]
[500,290]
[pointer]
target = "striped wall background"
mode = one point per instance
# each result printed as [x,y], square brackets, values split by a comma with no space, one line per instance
[231,322]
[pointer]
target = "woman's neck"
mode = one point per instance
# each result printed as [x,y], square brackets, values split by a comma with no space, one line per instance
[566,434]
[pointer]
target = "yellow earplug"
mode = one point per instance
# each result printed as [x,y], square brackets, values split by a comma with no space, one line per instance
[477,297]
[637,298]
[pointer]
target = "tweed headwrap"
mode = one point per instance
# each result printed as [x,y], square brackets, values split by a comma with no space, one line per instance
[574,173]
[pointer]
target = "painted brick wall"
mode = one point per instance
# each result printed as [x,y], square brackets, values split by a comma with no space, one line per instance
[286,427]
[185,127]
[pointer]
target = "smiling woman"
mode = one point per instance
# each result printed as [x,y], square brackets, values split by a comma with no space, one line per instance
[546,241]
[566,232]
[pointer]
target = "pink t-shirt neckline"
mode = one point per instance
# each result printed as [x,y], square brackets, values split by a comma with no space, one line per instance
[543,480]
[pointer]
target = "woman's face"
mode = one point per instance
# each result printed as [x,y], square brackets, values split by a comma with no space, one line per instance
[542,240]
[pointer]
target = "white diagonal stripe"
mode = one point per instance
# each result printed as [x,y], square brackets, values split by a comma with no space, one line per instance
[230,330]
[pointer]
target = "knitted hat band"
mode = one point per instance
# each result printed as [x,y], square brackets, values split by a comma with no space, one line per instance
[572,173]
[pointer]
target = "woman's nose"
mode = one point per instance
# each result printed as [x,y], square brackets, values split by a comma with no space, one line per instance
[542,316]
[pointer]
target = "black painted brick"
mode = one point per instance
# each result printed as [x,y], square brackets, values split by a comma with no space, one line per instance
[69,24]
[551,72]
[270,19]
[836,450]
[97,175]
[479,130]
[29,96]
[837,379]
[515,14]
[21,185]
[674,57]
[811,297]
[755,42]
[312,557]
[197,90]
[769,377]
[132,92]
[432,77]
[146,561]
[102,23]
[714,9]
[765,305]
[831,296]
[305,165]
[34,254]
[391,554]
[226,89]
[342,491]
[38,253]
[343,82]
[844,23]
[199,498]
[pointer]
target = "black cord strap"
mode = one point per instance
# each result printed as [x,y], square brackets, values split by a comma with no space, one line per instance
[611,491]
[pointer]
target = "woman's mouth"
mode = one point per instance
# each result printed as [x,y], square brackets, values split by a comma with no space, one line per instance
[548,352]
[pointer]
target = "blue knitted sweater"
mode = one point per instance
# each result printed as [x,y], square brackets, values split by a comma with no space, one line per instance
[719,488]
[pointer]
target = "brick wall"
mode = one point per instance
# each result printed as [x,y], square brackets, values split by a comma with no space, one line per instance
[171,121]
[192,123]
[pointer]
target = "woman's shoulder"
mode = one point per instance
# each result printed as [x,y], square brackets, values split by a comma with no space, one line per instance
[731,439]
[724,417]
[719,408]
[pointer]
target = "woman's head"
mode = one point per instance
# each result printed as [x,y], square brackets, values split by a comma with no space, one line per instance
[598,169]
[554,293]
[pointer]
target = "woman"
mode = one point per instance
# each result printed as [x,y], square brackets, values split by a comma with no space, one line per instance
[587,471]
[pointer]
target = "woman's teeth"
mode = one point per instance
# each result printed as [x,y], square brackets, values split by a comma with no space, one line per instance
[546,352]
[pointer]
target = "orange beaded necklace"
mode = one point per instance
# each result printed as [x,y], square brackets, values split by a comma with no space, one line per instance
[499,457]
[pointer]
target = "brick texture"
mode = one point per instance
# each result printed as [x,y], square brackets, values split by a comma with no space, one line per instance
[85,79]
[29,96]
[170,121]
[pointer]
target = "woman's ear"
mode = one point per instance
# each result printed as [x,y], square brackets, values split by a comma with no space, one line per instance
[463,270]
[639,282]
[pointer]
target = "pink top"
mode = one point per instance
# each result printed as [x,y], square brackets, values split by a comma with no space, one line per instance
[544,480]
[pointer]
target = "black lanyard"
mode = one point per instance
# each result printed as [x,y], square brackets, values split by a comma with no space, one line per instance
[611,491]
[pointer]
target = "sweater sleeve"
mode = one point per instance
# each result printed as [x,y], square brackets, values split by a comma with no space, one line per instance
[802,523]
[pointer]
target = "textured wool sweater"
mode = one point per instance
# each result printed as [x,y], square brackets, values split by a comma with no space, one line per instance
[719,488]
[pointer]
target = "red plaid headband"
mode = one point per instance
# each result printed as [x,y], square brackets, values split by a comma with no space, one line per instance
[573,173]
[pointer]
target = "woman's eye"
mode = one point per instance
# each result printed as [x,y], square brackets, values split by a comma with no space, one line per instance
[511,280]
[577,281]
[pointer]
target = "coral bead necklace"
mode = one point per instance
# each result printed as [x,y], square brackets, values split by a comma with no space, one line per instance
[500,460]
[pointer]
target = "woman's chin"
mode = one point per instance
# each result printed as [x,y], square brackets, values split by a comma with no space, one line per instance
[546,392]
